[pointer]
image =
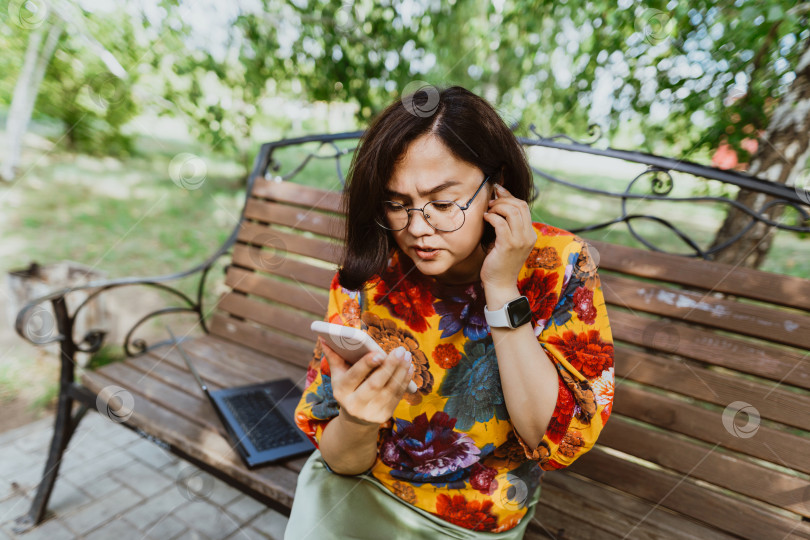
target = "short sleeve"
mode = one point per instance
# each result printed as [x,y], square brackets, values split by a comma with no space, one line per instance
[575,334]
[317,406]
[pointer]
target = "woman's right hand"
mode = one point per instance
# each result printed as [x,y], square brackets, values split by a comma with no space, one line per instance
[369,390]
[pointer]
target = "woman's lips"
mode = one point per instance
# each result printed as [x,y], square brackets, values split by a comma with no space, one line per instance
[423,254]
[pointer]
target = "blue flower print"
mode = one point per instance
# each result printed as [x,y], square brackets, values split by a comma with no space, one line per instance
[473,386]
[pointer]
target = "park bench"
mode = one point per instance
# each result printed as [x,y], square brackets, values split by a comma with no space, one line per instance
[709,435]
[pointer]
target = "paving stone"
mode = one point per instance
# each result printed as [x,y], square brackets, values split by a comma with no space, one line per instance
[191,534]
[34,442]
[253,534]
[66,497]
[208,519]
[36,426]
[52,529]
[156,507]
[102,510]
[168,527]
[142,478]
[6,489]
[85,474]
[100,487]
[123,436]
[222,494]
[12,507]
[247,533]
[245,508]
[150,453]
[271,523]
[14,461]
[119,529]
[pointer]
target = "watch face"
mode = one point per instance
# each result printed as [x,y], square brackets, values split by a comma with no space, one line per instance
[519,312]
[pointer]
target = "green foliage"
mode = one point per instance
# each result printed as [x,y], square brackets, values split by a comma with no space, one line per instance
[666,76]
[92,103]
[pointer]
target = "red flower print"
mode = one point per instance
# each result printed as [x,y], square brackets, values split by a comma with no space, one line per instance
[549,230]
[482,478]
[583,305]
[473,515]
[406,297]
[540,288]
[446,355]
[563,412]
[585,351]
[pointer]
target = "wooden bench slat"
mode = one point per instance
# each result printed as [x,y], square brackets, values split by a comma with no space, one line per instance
[208,446]
[681,494]
[779,447]
[747,319]
[567,497]
[220,375]
[690,379]
[316,302]
[718,467]
[786,366]
[251,257]
[642,511]
[273,317]
[234,356]
[297,194]
[751,283]
[299,218]
[272,343]
[285,242]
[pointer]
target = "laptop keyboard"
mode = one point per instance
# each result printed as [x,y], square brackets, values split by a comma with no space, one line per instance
[262,421]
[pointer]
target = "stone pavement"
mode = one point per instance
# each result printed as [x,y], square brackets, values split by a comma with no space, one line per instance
[115,484]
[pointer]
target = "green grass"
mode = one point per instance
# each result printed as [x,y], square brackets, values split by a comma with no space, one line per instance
[10,382]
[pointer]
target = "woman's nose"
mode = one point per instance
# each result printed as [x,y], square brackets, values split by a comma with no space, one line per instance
[419,224]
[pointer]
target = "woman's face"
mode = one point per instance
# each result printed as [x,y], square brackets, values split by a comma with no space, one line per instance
[426,164]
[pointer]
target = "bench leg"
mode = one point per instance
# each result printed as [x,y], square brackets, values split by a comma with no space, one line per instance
[64,427]
[66,422]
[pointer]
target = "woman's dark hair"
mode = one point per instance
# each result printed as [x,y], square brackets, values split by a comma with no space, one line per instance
[470,128]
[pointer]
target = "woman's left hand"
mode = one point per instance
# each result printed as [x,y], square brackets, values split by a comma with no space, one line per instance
[514,239]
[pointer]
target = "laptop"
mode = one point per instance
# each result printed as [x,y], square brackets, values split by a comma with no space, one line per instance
[258,417]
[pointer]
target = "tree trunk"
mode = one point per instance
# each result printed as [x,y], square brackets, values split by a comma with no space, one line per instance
[37,57]
[780,157]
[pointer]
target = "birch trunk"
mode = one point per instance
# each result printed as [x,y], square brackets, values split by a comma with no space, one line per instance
[37,57]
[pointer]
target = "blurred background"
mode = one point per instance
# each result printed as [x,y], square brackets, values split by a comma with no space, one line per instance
[128,129]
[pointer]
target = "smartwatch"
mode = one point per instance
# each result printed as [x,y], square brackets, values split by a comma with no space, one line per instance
[514,313]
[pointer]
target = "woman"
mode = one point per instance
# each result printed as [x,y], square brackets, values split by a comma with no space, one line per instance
[501,321]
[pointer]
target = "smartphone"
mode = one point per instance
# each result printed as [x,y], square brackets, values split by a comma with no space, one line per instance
[350,343]
[488,237]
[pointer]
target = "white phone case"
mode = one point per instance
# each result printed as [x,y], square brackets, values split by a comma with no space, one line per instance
[350,343]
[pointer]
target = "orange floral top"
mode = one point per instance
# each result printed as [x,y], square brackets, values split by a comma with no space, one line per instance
[450,448]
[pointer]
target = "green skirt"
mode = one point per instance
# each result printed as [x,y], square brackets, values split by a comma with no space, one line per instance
[333,506]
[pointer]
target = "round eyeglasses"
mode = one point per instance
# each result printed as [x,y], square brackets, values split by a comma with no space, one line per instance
[445,216]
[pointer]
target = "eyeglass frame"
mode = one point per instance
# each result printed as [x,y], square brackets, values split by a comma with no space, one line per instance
[462,208]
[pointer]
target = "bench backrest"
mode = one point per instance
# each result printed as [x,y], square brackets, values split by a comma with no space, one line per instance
[711,416]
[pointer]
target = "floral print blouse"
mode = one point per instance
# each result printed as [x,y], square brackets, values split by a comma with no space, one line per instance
[450,448]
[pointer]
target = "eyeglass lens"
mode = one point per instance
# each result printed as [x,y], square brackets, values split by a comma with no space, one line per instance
[443,215]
